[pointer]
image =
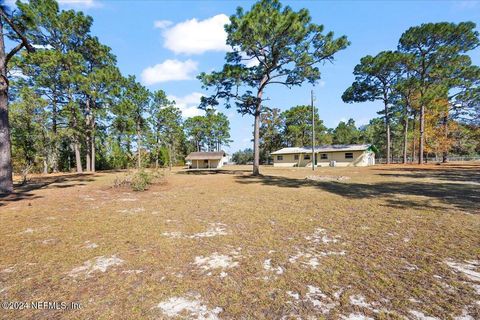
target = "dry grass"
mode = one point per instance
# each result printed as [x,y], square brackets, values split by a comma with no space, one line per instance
[390,242]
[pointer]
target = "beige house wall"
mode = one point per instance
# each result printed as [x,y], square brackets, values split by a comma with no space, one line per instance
[201,164]
[360,158]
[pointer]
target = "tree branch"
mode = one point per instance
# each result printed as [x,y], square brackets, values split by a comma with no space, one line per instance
[19,33]
[13,52]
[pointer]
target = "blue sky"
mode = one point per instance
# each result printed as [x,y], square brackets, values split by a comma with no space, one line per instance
[167,43]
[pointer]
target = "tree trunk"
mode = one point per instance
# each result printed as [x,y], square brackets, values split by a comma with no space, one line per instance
[55,135]
[6,179]
[405,136]
[92,142]
[414,141]
[45,165]
[387,128]
[445,128]
[88,155]
[422,137]
[139,160]
[76,143]
[78,158]
[256,128]
[256,142]
[170,156]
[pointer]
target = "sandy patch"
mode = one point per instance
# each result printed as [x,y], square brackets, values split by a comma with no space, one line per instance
[267,265]
[320,236]
[28,230]
[132,271]
[319,300]
[359,300]
[418,315]
[213,230]
[356,316]
[327,178]
[49,241]
[99,264]
[173,235]
[90,245]
[215,261]
[133,210]
[468,268]
[188,308]
[8,270]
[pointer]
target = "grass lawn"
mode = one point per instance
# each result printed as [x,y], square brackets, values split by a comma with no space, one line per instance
[381,242]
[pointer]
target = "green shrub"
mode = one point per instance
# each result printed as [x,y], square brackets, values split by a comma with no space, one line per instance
[138,180]
[141,180]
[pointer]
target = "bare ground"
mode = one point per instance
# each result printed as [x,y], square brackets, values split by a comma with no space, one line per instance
[390,242]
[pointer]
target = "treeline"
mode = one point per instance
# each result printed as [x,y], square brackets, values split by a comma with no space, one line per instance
[71,108]
[429,90]
[293,128]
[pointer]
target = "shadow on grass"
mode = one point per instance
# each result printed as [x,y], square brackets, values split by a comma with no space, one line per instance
[213,171]
[462,196]
[447,172]
[22,192]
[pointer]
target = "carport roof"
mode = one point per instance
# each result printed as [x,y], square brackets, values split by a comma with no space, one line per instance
[205,155]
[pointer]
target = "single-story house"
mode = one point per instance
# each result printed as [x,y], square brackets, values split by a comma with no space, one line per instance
[206,160]
[328,155]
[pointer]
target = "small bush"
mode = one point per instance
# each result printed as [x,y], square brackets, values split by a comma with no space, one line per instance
[138,180]
[141,180]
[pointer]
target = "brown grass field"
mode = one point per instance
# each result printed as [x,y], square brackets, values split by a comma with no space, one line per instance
[396,242]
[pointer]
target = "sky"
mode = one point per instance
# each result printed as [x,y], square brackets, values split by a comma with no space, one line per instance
[166,44]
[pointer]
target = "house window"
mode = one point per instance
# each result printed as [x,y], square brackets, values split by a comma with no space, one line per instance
[295,157]
[349,155]
[306,157]
[279,158]
[324,156]
[205,161]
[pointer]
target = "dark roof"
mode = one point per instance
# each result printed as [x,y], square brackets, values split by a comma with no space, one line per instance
[205,155]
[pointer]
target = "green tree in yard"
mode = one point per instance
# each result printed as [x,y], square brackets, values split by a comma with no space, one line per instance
[298,127]
[196,132]
[218,130]
[15,27]
[166,121]
[286,48]
[134,101]
[436,51]
[99,82]
[243,156]
[346,133]
[271,127]
[30,137]
[374,133]
[375,79]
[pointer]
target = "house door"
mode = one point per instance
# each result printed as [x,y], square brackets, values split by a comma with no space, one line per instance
[316,158]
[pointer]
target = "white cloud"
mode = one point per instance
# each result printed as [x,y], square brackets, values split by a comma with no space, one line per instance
[80,3]
[169,70]
[195,37]
[162,24]
[467,4]
[188,104]
[41,46]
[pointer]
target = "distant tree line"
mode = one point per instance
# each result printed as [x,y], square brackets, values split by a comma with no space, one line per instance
[429,90]
[70,108]
[293,128]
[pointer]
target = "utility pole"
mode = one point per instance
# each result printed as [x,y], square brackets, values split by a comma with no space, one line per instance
[313,132]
